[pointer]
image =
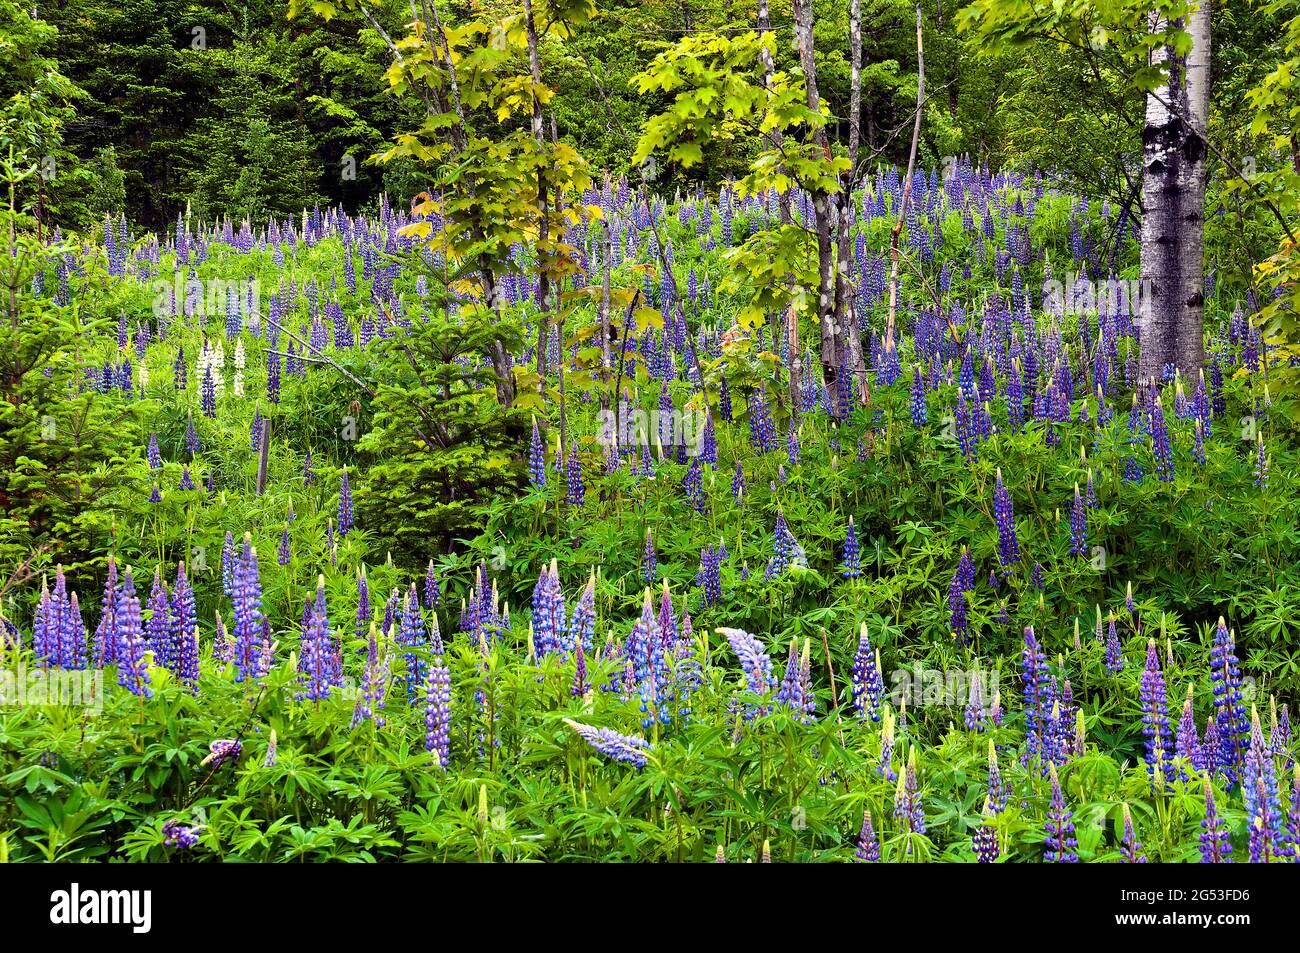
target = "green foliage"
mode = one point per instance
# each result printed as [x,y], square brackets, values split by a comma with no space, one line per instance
[61,446]
[444,451]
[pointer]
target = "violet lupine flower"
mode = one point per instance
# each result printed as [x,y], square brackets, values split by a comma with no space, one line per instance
[724,400]
[1037,691]
[582,624]
[537,458]
[221,751]
[272,751]
[694,487]
[999,790]
[374,685]
[345,505]
[549,623]
[1293,815]
[208,394]
[1114,653]
[1160,445]
[1187,746]
[223,650]
[852,553]
[755,664]
[886,767]
[868,686]
[580,686]
[1216,844]
[159,627]
[437,715]
[577,489]
[412,637]
[975,716]
[107,642]
[72,638]
[907,799]
[1158,743]
[308,473]
[363,603]
[762,434]
[1230,715]
[45,628]
[795,692]
[153,453]
[984,842]
[246,595]
[868,850]
[176,834]
[187,481]
[319,667]
[710,576]
[1130,846]
[919,413]
[1261,463]
[1259,791]
[648,658]
[785,549]
[738,483]
[183,654]
[1008,547]
[132,665]
[629,749]
[649,562]
[228,564]
[1212,748]
[963,581]
[1060,841]
[1078,525]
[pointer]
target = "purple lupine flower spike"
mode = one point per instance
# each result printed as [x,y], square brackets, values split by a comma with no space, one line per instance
[852,553]
[984,842]
[1008,546]
[1216,846]
[437,718]
[1130,846]
[1158,742]
[868,850]
[629,749]
[345,506]
[246,594]
[132,665]
[1060,841]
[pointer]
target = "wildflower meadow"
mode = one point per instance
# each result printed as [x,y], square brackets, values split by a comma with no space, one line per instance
[648,454]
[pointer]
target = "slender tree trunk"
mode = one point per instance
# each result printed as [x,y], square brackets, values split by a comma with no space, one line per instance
[769,69]
[606,361]
[543,200]
[1172,294]
[891,328]
[830,345]
[845,319]
[502,364]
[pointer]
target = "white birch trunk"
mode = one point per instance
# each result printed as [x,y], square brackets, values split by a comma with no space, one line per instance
[1171,299]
